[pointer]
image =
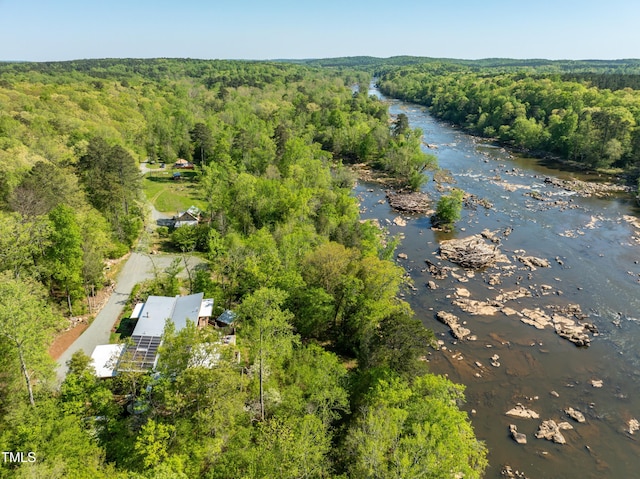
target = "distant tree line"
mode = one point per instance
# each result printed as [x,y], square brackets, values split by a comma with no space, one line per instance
[593,126]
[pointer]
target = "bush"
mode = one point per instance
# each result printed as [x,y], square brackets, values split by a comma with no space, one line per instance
[449,209]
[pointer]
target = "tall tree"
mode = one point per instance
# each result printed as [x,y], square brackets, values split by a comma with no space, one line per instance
[414,431]
[112,181]
[23,243]
[26,325]
[269,329]
[64,256]
[42,189]
[202,141]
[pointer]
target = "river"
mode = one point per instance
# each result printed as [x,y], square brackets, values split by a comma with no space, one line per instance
[594,253]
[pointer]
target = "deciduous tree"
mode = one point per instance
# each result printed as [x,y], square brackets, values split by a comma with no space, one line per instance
[26,326]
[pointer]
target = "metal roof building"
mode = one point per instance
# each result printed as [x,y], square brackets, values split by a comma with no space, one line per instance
[142,353]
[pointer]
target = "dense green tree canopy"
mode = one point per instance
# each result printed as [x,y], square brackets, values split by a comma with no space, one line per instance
[320,322]
[596,126]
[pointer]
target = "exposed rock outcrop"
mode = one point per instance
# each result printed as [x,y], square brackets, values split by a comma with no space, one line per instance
[451,320]
[536,318]
[584,188]
[550,431]
[523,412]
[414,202]
[508,472]
[569,329]
[472,252]
[399,221]
[533,263]
[475,307]
[513,294]
[438,272]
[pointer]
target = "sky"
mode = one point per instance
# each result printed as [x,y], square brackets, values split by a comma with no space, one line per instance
[50,30]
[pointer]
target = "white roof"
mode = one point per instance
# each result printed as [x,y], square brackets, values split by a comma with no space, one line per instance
[206,308]
[136,311]
[158,309]
[154,315]
[104,359]
[186,307]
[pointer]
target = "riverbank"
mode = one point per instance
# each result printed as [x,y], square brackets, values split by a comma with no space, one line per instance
[588,242]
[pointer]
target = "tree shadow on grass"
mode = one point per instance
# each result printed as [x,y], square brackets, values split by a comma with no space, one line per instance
[185,176]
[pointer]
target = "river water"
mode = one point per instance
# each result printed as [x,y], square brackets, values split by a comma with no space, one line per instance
[594,253]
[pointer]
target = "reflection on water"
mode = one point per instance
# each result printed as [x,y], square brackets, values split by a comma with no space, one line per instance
[594,254]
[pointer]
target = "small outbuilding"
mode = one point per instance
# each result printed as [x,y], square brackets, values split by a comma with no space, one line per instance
[227,318]
[105,358]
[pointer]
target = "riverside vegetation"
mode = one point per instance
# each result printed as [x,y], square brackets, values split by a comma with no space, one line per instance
[326,379]
[585,112]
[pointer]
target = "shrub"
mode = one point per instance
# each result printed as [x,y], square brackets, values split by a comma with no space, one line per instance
[449,209]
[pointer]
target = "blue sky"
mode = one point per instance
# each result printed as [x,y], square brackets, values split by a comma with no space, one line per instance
[47,30]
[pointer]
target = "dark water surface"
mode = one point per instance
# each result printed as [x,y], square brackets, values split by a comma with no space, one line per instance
[594,253]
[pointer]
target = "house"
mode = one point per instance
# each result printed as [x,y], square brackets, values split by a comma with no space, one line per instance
[184,164]
[142,352]
[191,217]
[180,163]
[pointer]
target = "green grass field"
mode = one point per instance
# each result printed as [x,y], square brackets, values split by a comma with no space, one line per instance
[170,196]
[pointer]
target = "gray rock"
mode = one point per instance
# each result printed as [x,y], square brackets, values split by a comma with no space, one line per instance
[517,436]
[575,414]
[523,412]
[550,431]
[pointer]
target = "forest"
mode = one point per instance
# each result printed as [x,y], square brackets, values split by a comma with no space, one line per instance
[328,377]
[590,118]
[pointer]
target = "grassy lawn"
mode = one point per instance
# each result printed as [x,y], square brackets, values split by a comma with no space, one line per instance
[169,195]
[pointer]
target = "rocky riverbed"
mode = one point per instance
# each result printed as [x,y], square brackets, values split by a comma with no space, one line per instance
[572,259]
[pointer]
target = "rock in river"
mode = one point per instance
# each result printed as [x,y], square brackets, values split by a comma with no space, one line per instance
[414,202]
[551,431]
[474,307]
[523,412]
[575,414]
[532,262]
[399,221]
[517,436]
[472,252]
[451,320]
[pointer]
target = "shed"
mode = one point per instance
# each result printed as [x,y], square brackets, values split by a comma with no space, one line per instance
[104,359]
[227,318]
